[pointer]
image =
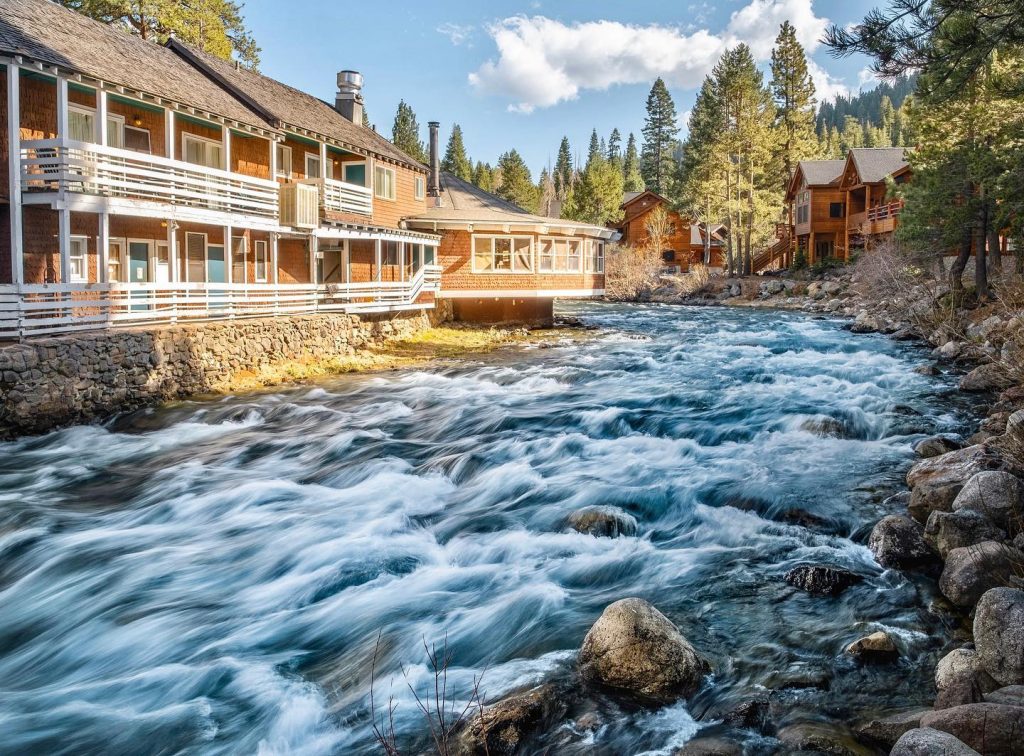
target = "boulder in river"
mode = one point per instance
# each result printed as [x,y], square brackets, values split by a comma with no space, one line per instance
[602,521]
[820,737]
[988,377]
[991,729]
[999,635]
[997,495]
[821,579]
[1011,695]
[710,746]
[501,727]
[887,730]
[972,570]
[960,679]
[928,742]
[636,648]
[946,531]
[898,543]
[933,446]
[875,648]
[955,466]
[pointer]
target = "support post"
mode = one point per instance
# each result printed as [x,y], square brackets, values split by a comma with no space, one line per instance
[323,160]
[64,244]
[14,172]
[228,255]
[273,159]
[347,263]
[273,257]
[169,133]
[62,107]
[103,249]
[376,259]
[174,274]
[226,146]
[314,247]
[102,135]
[401,260]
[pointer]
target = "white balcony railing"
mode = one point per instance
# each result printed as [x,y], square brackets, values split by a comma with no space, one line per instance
[51,165]
[342,197]
[45,309]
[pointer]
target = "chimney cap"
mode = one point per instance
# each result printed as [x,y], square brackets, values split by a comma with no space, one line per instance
[350,80]
[433,123]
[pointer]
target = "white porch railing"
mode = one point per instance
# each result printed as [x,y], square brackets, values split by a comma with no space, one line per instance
[342,197]
[48,309]
[51,165]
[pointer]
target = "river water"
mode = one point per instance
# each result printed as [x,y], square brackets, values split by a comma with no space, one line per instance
[211,577]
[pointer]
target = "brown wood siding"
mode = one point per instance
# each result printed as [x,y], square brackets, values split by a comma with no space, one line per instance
[38,108]
[250,155]
[388,213]
[181,126]
[292,261]
[149,120]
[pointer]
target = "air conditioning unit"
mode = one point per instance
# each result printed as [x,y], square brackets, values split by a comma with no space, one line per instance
[300,205]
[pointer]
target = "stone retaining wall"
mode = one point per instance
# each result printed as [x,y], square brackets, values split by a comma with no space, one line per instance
[49,382]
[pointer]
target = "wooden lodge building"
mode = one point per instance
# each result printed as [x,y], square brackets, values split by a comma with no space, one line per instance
[837,207]
[158,184]
[684,245]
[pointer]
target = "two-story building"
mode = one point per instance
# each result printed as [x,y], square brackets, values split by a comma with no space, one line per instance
[872,213]
[817,210]
[683,246]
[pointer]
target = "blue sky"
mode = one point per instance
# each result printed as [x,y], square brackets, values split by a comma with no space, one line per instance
[523,74]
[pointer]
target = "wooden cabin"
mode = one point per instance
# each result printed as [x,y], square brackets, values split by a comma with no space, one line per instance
[817,211]
[872,213]
[502,264]
[684,245]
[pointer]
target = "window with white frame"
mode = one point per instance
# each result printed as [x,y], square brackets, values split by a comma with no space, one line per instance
[201,151]
[115,131]
[259,249]
[560,255]
[284,160]
[79,248]
[595,257]
[81,123]
[312,166]
[384,182]
[421,187]
[502,254]
[115,256]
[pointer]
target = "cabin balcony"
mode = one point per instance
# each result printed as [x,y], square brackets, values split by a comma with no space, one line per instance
[307,202]
[856,223]
[882,219]
[93,177]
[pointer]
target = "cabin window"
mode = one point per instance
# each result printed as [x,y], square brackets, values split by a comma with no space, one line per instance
[137,140]
[259,249]
[560,256]
[595,260]
[421,187]
[384,182]
[802,214]
[114,254]
[502,254]
[312,166]
[195,256]
[81,124]
[284,161]
[835,210]
[823,249]
[668,255]
[354,173]
[79,247]
[199,151]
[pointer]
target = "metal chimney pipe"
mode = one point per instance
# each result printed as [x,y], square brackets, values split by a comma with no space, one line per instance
[434,183]
[349,99]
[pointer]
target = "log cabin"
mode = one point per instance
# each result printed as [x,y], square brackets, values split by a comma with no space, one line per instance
[872,213]
[817,211]
[684,245]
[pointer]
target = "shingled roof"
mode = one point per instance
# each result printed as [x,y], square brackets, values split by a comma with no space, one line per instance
[463,202]
[44,32]
[875,164]
[821,172]
[286,106]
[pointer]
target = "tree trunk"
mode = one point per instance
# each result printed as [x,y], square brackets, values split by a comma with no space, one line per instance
[995,252]
[956,272]
[980,260]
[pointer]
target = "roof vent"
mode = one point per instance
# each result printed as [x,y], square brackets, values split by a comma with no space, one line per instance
[349,99]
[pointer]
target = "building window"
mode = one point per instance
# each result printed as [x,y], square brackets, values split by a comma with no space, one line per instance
[200,151]
[802,214]
[502,254]
[79,248]
[560,256]
[81,124]
[115,131]
[595,260]
[353,173]
[284,161]
[384,182]
[390,253]
[137,140]
[259,248]
[195,256]
[835,210]
[312,166]
[421,187]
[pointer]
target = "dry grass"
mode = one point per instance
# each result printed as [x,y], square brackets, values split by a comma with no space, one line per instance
[630,272]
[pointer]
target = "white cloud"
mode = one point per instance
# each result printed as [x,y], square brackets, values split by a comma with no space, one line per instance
[867,79]
[542,62]
[456,33]
[825,86]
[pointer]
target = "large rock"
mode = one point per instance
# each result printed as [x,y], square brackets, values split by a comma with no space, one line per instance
[933,496]
[1011,443]
[960,679]
[820,737]
[933,446]
[636,648]
[989,377]
[875,648]
[887,730]
[997,495]
[999,635]
[502,727]
[898,542]
[928,742]
[972,570]
[992,729]
[946,531]
[956,466]
[1011,695]
[710,746]
[602,521]
[821,580]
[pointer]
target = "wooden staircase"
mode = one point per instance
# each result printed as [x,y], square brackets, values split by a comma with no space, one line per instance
[774,256]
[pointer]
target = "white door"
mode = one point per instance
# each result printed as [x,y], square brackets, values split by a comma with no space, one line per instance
[162,269]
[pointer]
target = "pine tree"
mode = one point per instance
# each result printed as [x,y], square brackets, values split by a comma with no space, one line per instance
[597,196]
[793,91]
[517,185]
[595,147]
[563,177]
[659,132]
[546,192]
[405,133]
[455,160]
[483,177]
[701,175]
[634,180]
[614,145]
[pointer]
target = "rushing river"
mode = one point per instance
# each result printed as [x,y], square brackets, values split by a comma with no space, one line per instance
[211,577]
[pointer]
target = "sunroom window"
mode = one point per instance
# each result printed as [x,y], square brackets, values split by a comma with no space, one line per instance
[502,254]
[384,182]
[561,256]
